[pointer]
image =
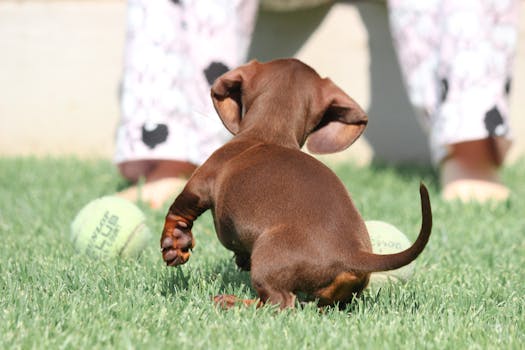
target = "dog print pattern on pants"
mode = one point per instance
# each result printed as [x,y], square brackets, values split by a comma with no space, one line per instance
[456,58]
[174,51]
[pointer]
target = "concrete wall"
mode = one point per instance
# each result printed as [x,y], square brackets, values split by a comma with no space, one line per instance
[59,71]
[60,65]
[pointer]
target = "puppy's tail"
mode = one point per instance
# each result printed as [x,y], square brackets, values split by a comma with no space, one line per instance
[370,262]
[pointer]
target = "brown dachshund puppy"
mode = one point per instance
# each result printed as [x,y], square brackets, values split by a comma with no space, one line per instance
[286,216]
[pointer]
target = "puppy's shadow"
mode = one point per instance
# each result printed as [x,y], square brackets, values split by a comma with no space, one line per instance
[178,280]
[223,277]
[230,279]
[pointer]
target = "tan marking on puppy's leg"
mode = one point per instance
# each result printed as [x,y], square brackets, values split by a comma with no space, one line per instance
[343,288]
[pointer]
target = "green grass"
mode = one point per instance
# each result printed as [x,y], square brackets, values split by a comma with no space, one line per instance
[467,293]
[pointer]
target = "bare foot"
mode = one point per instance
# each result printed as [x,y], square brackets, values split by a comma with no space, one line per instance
[163,181]
[154,193]
[470,174]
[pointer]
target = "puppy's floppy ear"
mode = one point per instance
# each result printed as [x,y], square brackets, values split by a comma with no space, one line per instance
[226,93]
[342,123]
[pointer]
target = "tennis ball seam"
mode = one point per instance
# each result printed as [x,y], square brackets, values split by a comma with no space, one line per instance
[131,236]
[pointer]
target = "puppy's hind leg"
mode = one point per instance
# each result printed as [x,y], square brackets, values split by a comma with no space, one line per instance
[343,289]
[271,278]
[272,275]
[267,292]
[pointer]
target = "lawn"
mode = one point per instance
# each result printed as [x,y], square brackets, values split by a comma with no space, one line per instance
[467,292]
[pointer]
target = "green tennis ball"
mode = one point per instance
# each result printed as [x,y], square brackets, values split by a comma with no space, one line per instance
[110,227]
[387,239]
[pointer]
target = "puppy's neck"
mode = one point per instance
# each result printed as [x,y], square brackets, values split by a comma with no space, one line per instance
[283,126]
[257,135]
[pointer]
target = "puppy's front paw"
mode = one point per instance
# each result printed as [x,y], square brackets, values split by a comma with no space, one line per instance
[176,243]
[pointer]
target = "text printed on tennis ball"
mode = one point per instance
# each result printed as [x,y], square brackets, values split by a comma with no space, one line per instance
[104,235]
[386,244]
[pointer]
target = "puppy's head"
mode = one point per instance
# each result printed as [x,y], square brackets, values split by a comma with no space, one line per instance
[288,94]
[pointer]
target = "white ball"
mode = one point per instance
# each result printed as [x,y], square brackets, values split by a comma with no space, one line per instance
[387,239]
[110,227]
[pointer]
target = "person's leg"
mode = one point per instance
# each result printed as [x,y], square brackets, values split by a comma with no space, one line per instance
[471,132]
[163,179]
[470,172]
[174,52]
[458,85]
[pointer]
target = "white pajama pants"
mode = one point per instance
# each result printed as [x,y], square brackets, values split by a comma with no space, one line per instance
[456,58]
[455,55]
[174,51]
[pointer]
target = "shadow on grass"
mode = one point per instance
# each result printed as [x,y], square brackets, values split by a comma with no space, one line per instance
[178,279]
[223,277]
[231,278]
